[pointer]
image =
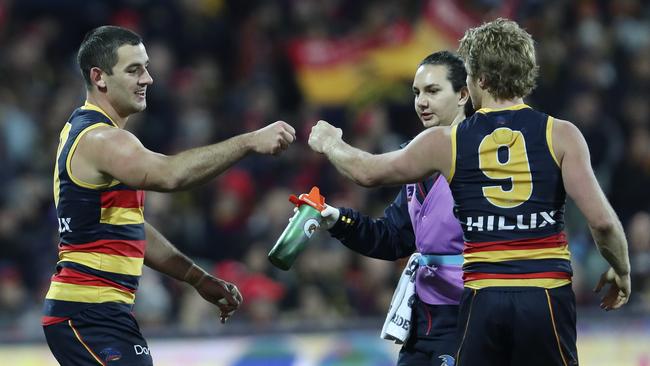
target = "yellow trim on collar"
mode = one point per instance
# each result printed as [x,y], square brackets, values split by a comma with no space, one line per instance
[515,107]
[92,107]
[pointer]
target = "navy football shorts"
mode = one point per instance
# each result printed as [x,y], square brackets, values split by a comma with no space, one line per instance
[102,334]
[530,326]
[432,341]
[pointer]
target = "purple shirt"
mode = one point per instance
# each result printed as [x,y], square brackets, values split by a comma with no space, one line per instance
[437,231]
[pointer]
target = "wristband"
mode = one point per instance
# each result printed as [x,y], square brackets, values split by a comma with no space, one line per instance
[194,275]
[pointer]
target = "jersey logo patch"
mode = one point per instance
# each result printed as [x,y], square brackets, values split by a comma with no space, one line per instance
[64,225]
[501,223]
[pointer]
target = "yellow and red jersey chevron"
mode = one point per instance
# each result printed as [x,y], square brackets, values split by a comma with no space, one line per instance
[509,198]
[101,227]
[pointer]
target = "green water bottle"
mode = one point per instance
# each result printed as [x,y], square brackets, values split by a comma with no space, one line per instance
[301,227]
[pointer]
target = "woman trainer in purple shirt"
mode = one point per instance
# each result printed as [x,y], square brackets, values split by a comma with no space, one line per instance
[421,220]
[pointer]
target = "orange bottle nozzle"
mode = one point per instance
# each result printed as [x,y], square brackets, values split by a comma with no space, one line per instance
[313,199]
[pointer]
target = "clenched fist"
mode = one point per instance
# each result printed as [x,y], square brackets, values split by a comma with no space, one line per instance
[273,138]
[323,135]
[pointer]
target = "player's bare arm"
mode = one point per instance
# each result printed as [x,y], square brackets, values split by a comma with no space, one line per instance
[164,257]
[430,151]
[581,185]
[105,153]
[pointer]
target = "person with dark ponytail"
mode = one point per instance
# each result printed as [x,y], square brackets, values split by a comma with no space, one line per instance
[420,220]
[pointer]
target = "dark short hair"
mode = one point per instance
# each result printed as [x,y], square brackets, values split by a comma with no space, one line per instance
[456,73]
[99,49]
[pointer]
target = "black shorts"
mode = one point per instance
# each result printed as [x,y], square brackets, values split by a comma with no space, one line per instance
[102,334]
[432,341]
[529,326]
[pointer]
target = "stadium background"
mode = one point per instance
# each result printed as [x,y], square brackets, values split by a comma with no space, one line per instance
[222,67]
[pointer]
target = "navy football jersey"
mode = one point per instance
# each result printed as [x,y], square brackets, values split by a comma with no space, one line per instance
[509,198]
[101,229]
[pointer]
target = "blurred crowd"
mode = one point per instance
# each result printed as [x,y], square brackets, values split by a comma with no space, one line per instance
[220,68]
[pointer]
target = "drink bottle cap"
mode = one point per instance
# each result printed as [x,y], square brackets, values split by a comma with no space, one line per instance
[313,199]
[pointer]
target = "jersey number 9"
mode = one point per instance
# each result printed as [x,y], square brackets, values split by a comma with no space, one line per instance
[515,168]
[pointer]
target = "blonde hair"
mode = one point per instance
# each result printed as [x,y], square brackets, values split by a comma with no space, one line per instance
[504,55]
